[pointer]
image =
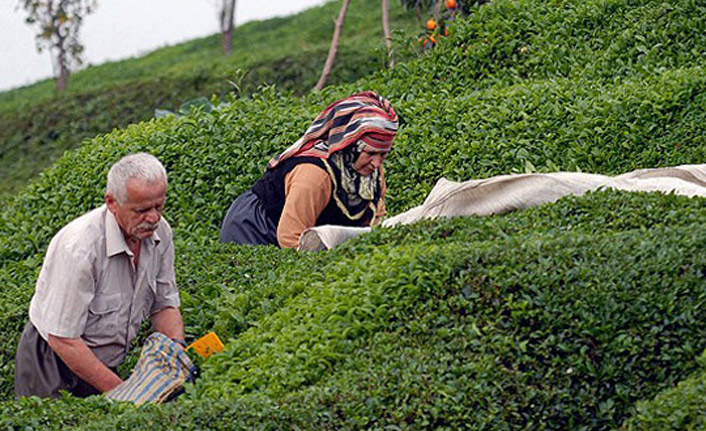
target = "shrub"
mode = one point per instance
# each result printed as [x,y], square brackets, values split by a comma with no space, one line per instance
[677,408]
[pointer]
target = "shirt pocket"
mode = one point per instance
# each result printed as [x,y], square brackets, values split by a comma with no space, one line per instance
[105,303]
[103,315]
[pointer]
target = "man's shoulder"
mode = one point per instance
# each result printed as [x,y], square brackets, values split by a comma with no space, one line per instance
[164,231]
[90,222]
[82,234]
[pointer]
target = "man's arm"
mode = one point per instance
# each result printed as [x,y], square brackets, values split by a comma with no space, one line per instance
[84,363]
[168,322]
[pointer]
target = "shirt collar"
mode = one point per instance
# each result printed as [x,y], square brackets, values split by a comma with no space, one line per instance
[114,239]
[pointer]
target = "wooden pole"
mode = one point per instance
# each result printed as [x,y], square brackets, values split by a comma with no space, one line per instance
[386,30]
[331,59]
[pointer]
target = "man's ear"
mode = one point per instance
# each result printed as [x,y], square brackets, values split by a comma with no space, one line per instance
[111,202]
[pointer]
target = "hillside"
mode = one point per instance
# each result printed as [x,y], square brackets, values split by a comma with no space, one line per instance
[586,314]
[36,126]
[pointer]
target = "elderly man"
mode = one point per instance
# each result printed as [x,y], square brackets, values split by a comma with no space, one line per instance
[103,275]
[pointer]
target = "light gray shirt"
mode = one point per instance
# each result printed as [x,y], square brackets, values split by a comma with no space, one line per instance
[88,286]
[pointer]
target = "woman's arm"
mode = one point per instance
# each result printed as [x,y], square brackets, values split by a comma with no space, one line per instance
[307,190]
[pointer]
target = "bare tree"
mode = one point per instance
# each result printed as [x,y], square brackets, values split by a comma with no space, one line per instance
[59,22]
[386,30]
[227,20]
[331,58]
[418,6]
[435,6]
[437,9]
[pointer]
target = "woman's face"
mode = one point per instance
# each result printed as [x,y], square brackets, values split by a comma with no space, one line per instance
[368,162]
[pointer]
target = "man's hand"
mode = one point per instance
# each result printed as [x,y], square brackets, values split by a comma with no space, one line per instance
[84,363]
[168,322]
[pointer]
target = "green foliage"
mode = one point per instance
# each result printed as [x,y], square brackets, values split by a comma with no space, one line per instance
[679,408]
[472,330]
[36,415]
[558,317]
[37,126]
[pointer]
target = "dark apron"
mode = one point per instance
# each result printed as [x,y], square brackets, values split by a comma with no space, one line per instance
[247,223]
[39,371]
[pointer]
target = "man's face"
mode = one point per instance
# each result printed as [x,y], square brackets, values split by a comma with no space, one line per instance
[139,215]
[369,162]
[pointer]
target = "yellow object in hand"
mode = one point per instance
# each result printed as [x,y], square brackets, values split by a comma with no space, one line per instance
[207,345]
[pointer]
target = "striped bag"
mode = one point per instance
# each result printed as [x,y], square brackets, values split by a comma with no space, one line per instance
[160,373]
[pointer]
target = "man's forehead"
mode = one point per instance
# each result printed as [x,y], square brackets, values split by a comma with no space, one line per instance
[141,190]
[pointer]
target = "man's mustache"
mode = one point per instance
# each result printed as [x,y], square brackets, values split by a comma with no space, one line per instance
[147,226]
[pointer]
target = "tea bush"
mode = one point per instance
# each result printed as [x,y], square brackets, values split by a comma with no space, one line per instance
[574,315]
[678,408]
[477,332]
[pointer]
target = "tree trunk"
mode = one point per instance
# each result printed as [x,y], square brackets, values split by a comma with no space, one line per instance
[331,59]
[62,60]
[386,30]
[227,25]
[418,11]
[437,10]
[63,78]
[227,37]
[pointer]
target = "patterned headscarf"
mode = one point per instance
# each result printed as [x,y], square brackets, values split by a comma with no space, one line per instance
[342,124]
[363,121]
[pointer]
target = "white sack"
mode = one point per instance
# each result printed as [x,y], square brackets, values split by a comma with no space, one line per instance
[504,193]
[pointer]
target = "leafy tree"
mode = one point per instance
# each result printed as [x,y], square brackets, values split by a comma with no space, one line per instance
[227,20]
[58,23]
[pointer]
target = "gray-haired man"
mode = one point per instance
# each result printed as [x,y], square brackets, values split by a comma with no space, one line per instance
[103,275]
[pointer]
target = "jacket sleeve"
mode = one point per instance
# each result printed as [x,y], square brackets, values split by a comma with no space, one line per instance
[307,191]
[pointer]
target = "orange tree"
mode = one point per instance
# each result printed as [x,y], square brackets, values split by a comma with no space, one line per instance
[441,12]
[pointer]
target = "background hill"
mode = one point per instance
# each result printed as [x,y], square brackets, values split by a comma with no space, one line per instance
[582,315]
[37,126]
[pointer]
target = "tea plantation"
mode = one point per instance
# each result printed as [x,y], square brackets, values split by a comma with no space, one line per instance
[587,314]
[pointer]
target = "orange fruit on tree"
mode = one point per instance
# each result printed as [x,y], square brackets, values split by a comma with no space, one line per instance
[450,4]
[431,24]
[432,38]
